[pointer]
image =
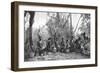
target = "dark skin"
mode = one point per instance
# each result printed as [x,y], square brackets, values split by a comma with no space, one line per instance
[62,45]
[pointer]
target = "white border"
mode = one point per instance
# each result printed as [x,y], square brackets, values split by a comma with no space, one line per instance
[33,64]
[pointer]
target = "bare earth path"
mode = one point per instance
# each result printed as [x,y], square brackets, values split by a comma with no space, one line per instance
[58,56]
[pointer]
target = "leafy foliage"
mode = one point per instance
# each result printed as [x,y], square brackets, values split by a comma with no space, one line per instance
[57,35]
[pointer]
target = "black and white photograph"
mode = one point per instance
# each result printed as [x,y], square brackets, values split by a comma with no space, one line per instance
[52,36]
[56,36]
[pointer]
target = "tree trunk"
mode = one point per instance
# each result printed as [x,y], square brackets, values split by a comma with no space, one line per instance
[71,31]
[30,28]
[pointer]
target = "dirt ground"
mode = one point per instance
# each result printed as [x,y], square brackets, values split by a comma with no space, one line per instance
[58,56]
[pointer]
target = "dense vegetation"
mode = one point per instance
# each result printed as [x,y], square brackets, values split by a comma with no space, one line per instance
[57,35]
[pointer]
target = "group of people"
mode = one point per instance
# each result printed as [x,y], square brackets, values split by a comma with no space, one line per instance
[63,46]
